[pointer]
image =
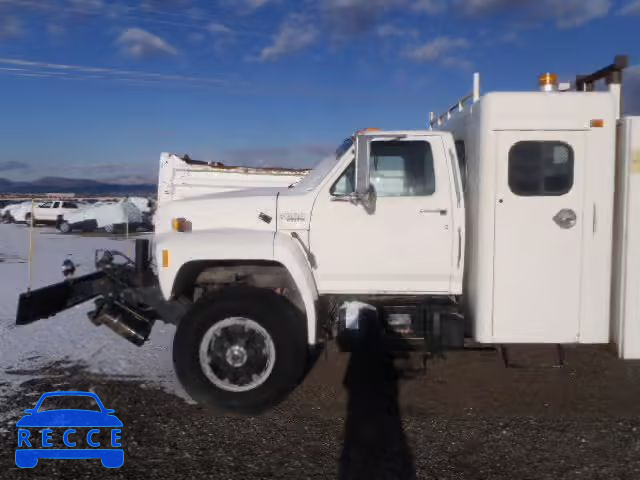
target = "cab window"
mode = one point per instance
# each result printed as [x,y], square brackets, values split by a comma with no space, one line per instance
[461,152]
[69,205]
[56,204]
[346,183]
[402,168]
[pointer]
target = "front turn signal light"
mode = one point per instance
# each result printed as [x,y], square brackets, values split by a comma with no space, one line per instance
[180,225]
[165,258]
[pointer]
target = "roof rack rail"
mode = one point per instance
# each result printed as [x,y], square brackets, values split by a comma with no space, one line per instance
[613,76]
[612,73]
[474,95]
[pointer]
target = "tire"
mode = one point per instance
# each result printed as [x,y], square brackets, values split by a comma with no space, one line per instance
[201,331]
[64,227]
[27,219]
[109,228]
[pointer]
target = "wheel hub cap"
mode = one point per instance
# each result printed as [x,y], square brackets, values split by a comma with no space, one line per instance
[237,354]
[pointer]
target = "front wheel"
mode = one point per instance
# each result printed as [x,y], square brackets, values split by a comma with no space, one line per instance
[64,227]
[243,350]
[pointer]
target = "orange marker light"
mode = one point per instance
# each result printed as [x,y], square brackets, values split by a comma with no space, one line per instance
[180,225]
[367,130]
[597,123]
[165,258]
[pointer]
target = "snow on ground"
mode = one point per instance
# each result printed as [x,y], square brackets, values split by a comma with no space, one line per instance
[69,337]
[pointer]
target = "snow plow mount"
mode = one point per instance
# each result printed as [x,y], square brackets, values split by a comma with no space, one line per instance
[126,292]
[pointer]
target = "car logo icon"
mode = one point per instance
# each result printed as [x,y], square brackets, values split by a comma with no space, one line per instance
[69,433]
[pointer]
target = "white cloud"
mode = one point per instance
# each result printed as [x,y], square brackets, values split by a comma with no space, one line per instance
[389,30]
[481,7]
[88,4]
[55,29]
[255,4]
[356,16]
[294,35]
[82,72]
[431,7]
[573,13]
[456,62]
[436,48]
[138,43]
[10,27]
[632,8]
[245,6]
[215,28]
[566,13]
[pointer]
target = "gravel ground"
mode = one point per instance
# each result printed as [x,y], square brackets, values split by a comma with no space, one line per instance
[365,416]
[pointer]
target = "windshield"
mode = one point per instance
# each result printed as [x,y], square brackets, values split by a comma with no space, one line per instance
[322,168]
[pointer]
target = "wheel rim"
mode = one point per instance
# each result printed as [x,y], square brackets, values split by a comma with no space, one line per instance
[237,354]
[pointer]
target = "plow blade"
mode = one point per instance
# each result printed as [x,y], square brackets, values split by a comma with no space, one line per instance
[47,301]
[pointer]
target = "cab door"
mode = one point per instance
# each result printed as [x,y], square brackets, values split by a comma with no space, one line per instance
[403,243]
[43,211]
[539,220]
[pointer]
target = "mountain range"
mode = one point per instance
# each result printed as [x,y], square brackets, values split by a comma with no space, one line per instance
[75,185]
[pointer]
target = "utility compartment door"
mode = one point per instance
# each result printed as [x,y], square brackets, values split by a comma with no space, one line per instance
[539,221]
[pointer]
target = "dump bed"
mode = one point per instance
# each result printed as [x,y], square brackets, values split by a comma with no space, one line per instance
[182,177]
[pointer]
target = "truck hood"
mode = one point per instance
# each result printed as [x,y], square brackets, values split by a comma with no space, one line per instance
[253,209]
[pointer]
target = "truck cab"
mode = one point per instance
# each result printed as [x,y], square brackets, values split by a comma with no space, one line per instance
[383,218]
[398,229]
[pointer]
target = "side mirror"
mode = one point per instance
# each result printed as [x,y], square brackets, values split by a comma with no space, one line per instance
[362,167]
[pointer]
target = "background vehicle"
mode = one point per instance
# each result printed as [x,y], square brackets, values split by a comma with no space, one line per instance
[108,217]
[45,212]
[497,227]
[8,211]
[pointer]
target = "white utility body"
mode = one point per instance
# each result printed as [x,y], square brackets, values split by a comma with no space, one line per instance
[511,219]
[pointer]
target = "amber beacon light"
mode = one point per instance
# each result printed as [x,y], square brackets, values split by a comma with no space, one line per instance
[548,82]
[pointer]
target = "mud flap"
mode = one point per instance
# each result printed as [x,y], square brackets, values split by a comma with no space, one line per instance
[47,301]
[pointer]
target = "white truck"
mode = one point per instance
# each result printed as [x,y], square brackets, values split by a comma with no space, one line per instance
[44,211]
[499,224]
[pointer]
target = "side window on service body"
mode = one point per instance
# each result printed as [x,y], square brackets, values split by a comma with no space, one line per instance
[540,168]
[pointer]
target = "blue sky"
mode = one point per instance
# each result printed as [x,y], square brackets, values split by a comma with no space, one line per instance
[97,88]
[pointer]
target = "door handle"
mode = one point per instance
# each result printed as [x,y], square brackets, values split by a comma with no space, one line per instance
[441,211]
[565,218]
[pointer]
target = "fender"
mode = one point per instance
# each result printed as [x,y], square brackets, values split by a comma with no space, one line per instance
[237,244]
[288,252]
[219,244]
